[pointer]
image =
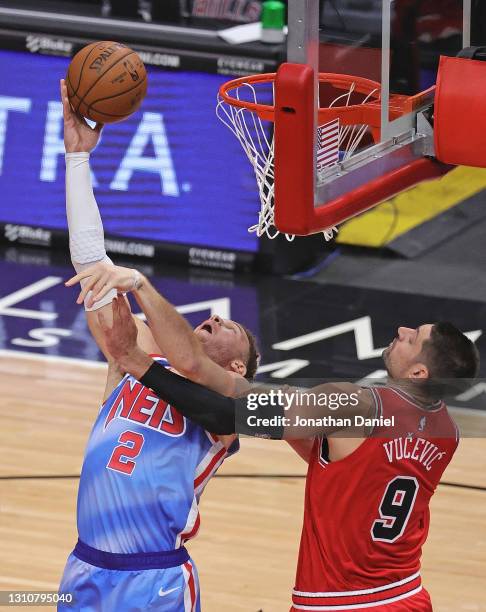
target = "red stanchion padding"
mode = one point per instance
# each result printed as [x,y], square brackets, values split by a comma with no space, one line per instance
[460,112]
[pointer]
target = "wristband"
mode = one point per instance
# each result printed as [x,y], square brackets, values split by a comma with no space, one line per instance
[216,413]
[137,281]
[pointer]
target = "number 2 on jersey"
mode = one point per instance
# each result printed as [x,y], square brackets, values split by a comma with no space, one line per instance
[129,448]
[395,509]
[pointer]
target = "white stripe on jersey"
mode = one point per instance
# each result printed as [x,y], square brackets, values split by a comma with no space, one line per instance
[215,448]
[385,587]
[360,606]
[191,521]
[200,488]
[189,604]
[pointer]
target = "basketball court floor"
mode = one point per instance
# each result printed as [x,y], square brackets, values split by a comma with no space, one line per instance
[330,324]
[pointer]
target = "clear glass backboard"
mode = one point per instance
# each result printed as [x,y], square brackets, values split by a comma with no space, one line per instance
[395,45]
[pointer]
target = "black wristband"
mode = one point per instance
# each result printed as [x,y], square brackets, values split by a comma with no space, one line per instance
[214,412]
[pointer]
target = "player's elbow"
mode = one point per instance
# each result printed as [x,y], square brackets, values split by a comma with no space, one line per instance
[194,365]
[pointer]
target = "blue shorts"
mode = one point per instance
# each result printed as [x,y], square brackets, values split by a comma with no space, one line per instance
[97,588]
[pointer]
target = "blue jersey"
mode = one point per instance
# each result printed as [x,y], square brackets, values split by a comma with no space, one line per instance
[144,469]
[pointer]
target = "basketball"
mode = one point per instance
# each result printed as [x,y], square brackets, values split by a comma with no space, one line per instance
[106,82]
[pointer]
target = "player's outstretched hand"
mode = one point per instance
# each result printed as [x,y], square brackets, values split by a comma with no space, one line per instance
[79,137]
[100,278]
[121,338]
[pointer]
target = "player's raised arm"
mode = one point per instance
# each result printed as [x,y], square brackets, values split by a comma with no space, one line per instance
[171,331]
[86,235]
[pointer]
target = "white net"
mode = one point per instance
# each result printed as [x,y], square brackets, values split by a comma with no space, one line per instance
[257,142]
[256,138]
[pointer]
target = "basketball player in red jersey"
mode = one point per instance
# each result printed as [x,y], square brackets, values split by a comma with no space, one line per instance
[368,490]
[366,513]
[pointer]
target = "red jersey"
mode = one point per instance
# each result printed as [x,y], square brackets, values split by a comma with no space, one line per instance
[366,516]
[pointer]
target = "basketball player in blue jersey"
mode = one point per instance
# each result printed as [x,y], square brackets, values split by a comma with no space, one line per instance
[145,465]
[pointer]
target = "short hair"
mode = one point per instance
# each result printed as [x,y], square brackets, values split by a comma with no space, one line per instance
[452,359]
[253,354]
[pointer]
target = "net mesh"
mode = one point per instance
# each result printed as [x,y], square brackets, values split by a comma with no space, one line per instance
[256,139]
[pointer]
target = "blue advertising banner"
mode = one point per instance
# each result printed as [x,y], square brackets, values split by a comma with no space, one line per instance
[39,315]
[170,173]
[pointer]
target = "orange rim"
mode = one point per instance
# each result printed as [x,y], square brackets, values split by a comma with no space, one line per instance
[368,112]
[339,81]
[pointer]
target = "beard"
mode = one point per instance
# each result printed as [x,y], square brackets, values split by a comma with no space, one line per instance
[219,354]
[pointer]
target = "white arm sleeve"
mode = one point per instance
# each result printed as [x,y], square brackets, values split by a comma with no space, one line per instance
[86,236]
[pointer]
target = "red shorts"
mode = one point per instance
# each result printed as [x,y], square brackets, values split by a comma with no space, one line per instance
[417,603]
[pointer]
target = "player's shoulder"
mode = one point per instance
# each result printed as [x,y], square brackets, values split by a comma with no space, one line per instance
[359,398]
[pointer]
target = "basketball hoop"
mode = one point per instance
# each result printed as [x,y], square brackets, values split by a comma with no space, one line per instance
[247,107]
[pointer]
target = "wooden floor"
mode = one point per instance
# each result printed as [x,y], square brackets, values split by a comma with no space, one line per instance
[251,514]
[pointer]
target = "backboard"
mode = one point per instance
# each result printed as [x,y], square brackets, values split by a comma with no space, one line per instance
[325,175]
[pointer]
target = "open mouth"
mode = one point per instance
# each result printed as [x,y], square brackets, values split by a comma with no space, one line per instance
[207,327]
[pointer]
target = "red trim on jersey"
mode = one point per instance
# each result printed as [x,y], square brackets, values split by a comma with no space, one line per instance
[190,534]
[368,598]
[210,467]
[191,584]
[199,483]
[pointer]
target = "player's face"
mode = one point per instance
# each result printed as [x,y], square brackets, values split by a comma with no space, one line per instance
[403,355]
[223,340]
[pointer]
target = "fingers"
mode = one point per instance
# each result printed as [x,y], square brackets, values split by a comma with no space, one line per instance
[101,288]
[92,270]
[114,310]
[124,308]
[99,279]
[126,321]
[123,311]
[68,112]
[126,302]
[90,278]
[102,321]
[119,304]
[87,287]
[66,106]
[78,278]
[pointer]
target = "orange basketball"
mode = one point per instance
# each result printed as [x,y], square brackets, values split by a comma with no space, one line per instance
[106,82]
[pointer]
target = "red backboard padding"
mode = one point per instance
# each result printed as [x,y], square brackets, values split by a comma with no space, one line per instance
[296,211]
[460,112]
[294,147]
